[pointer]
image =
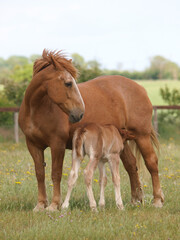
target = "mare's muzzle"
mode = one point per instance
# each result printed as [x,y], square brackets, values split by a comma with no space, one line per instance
[76,115]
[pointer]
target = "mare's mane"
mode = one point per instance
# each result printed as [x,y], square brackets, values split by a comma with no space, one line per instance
[57,59]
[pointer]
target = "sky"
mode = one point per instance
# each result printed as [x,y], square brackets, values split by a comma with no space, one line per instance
[120,34]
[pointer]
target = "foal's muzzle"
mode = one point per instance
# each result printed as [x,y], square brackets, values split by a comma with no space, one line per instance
[76,116]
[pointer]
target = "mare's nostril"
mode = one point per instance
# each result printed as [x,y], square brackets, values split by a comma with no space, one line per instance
[75,116]
[81,116]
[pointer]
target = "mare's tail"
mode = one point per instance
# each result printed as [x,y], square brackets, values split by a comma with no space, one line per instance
[136,152]
[154,139]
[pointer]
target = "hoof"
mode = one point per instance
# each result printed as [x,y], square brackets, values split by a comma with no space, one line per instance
[135,201]
[52,208]
[120,206]
[64,206]
[158,203]
[40,207]
[102,206]
[138,198]
[94,209]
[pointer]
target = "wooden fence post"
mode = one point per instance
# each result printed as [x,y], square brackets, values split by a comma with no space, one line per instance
[155,119]
[16,130]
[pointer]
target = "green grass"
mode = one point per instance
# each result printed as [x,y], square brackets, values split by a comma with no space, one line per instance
[153,87]
[1,87]
[18,196]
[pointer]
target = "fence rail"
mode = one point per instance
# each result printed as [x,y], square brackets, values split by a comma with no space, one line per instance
[159,107]
[16,110]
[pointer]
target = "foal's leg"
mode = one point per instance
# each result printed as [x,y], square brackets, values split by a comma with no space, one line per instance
[88,175]
[114,165]
[71,181]
[38,157]
[102,182]
[129,162]
[57,153]
[151,161]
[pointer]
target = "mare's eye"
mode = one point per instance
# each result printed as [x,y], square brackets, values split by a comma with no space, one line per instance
[68,84]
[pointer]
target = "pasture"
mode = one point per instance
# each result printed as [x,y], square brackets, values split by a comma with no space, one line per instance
[153,89]
[18,196]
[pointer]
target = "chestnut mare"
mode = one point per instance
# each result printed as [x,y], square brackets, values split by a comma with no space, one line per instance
[53,95]
[101,144]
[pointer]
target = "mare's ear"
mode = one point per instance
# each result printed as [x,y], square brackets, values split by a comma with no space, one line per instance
[53,61]
[70,60]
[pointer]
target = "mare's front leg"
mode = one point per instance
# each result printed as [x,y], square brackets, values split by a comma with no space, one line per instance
[38,157]
[72,180]
[102,182]
[114,166]
[129,162]
[88,175]
[57,154]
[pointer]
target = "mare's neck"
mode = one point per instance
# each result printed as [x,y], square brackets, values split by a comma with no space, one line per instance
[35,93]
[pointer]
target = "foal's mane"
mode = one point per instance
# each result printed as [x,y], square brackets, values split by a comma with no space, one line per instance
[55,58]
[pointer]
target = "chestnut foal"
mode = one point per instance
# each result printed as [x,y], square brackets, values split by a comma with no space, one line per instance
[101,144]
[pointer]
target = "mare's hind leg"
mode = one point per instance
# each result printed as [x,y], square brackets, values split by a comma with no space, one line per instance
[88,175]
[38,157]
[114,165]
[151,161]
[72,180]
[102,182]
[129,162]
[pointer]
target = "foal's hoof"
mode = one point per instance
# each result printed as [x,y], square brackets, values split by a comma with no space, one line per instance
[102,206]
[52,208]
[120,206]
[64,206]
[40,207]
[94,209]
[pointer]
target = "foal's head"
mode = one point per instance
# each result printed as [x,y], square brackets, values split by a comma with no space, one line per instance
[60,83]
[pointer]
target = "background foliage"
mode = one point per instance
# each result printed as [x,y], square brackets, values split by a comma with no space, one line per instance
[16,73]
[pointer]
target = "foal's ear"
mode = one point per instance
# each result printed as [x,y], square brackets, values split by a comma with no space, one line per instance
[70,60]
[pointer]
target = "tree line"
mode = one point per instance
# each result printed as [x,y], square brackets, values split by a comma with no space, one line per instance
[19,68]
[16,73]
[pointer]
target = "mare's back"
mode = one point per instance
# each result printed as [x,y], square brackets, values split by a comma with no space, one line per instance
[118,101]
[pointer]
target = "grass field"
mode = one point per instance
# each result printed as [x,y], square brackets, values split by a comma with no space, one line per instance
[153,88]
[18,196]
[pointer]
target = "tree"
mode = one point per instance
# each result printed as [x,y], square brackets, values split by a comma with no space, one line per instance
[14,92]
[22,73]
[16,60]
[78,61]
[162,68]
[171,97]
[33,57]
[87,70]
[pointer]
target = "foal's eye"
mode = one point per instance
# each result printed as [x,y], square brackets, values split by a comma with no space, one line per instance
[68,84]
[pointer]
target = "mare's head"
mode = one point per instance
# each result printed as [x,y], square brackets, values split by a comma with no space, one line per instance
[60,75]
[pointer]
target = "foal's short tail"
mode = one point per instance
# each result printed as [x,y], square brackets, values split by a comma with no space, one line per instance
[78,142]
